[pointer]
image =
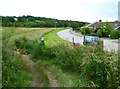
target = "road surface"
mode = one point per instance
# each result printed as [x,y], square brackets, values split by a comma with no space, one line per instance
[66,35]
[108,44]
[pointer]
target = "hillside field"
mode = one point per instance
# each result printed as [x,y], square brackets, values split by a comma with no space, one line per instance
[28,62]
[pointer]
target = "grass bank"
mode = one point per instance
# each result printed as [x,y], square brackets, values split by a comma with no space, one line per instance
[15,71]
[84,67]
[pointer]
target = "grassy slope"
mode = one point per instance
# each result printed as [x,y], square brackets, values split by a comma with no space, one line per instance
[65,78]
[90,57]
[51,38]
[86,57]
[0,59]
[22,77]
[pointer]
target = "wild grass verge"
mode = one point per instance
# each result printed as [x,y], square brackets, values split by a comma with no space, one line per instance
[43,76]
[96,67]
[13,73]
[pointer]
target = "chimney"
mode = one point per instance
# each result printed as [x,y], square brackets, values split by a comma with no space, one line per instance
[100,20]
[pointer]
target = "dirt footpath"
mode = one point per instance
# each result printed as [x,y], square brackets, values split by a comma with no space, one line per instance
[36,82]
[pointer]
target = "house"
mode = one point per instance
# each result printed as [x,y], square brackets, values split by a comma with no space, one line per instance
[118,28]
[96,25]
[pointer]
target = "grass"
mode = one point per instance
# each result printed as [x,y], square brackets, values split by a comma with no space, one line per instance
[14,70]
[51,38]
[0,59]
[42,74]
[65,78]
[13,74]
[84,67]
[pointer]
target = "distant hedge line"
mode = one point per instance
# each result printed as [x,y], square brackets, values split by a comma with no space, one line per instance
[31,21]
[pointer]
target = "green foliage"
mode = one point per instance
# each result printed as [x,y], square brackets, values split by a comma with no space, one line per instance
[91,64]
[24,44]
[106,29]
[43,76]
[31,21]
[96,67]
[87,30]
[65,78]
[75,25]
[12,73]
[99,33]
[115,34]
[15,71]
[33,47]
[98,70]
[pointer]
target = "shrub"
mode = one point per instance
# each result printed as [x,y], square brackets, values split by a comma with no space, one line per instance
[37,49]
[20,42]
[91,63]
[106,29]
[101,69]
[115,34]
[88,31]
[99,33]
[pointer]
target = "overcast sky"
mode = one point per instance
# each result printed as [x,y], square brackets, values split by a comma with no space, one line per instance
[79,10]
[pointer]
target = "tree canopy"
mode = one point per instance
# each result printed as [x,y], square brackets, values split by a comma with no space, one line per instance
[31,21]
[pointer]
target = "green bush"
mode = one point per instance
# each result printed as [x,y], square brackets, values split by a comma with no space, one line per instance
[37,49]
[100,70]
[87,30]
[96,66]
[106,29]
[91,63]
[99,33]
[115,34]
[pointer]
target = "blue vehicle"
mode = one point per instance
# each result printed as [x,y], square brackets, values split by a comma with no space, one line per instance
[91,39]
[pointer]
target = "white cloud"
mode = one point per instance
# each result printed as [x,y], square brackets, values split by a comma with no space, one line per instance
[81,10]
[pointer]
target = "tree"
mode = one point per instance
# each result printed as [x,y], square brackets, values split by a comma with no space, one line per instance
[31,21]
[106,29]
[21,19]
[74,25]
[87,30]
[99,33]
[115,34]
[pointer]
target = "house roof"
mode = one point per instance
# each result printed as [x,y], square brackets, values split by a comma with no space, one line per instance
[99,24]
[117,28]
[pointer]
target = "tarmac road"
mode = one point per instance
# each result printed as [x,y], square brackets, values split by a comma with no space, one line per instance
[108,44]
[66,35]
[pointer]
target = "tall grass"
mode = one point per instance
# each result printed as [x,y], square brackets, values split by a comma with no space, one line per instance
[33,47]
[13,73]
[97,67]
[43,76]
